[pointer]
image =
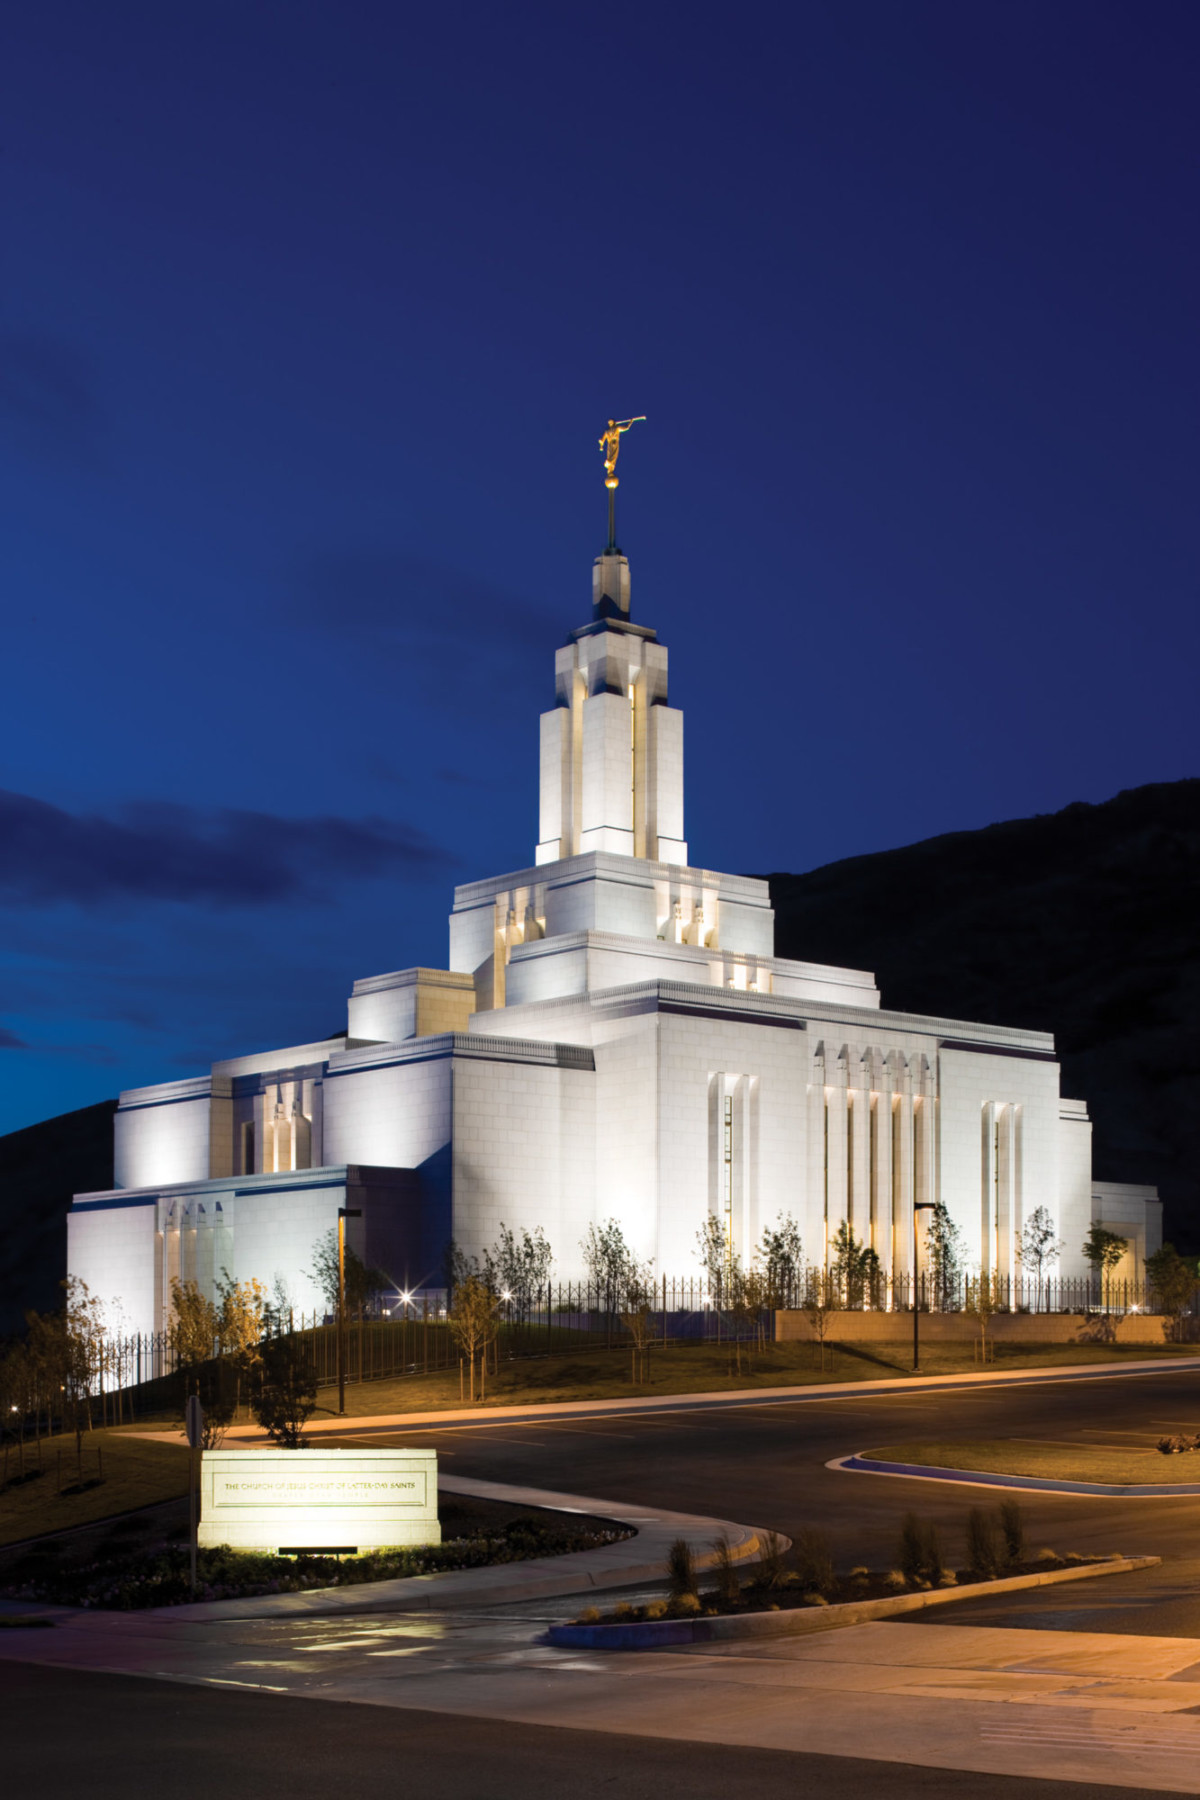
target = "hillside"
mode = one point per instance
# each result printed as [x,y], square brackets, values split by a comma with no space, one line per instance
[1084,922]
[40,1168]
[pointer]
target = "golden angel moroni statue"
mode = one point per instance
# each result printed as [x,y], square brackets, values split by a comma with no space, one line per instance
[610,443]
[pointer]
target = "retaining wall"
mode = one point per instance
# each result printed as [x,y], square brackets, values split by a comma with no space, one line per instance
[1005,1328]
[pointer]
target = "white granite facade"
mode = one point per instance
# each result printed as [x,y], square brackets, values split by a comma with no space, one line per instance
[614,1038]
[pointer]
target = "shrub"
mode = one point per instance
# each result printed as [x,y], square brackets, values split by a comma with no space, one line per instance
[287,1394]
[948,1579]
[588,1616]
[729,1588]
[983,1547]
[624,1611]
[814,1562]
[815,1599]
[684,1606]
[911,1552]
[681,1570]
[920,1551]
[657,1609]
[771,1571]
[895,1579]
[1046,1555]
[1012,1530]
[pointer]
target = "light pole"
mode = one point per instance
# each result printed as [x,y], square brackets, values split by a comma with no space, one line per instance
[918,1206]
[344,1213]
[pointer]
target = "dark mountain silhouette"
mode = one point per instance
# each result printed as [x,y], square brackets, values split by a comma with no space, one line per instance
[1084,922]
[40,1168]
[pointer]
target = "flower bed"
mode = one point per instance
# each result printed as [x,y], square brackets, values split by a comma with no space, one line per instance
[126,1580]
[787,1595]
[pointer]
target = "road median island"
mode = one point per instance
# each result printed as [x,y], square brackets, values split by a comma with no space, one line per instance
[665,1634]
[1105,1472]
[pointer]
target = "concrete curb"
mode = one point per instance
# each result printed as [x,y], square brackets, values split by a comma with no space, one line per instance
[663,1634]
[867,1465]
[639,1559]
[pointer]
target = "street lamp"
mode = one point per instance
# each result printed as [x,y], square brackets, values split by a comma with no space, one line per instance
[918,1206]
[344,1213]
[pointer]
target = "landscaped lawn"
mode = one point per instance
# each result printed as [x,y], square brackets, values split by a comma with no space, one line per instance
[1112,1467]
[710,1368]
[135,1473]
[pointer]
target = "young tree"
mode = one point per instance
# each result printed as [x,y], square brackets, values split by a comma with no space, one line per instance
[637,1315]
[193,1331]
[241,1322]
[473,1325]
[287,1391]
[714,1252]
[1104,1250]
[856,1272]
[780,1255]
[1040,1247]
[519,1267]
[361,1282]
[982,1298]
[1173,1280]
[609,1263]
[745,1296]
[820,1304]
[84,1331]
[943,1244]
[194,1334]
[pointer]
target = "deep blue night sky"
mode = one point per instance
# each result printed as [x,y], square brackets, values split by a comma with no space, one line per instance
[310,317]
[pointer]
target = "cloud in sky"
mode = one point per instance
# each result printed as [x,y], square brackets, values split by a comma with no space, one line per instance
[10,1041]
[405,596]
[223,857]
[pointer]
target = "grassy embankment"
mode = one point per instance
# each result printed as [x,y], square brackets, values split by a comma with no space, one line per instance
[710,1368]
[1107,1465]
[136,1474]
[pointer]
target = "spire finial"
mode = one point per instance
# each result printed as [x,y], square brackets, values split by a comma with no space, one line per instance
[610,444]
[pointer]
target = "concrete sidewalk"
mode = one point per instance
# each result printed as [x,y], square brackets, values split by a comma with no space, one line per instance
[634,1560]
[1100,1709]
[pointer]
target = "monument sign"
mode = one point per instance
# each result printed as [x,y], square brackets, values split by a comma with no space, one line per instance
[324,1500]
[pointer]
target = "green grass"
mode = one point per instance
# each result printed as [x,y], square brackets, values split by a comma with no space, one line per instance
[1113,1467]
[698,1368]
[135,1474]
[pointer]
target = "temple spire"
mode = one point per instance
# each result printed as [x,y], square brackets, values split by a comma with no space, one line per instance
[610,444]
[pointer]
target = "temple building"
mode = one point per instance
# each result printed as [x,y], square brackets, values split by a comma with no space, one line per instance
[613,1038]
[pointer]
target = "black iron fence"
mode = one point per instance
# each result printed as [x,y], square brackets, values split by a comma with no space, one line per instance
[416,1337]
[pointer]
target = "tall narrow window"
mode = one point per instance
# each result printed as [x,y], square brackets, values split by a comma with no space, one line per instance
[727,1172]
[996,1190]
[633,820]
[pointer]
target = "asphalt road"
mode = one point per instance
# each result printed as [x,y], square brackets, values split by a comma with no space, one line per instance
[110,1736]
[765,1465]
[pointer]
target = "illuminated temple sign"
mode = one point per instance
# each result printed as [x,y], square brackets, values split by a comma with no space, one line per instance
[614,1038]
[318,1499]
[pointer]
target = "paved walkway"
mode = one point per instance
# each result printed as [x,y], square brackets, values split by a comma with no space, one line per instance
[639,1559]
[1084,1707]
